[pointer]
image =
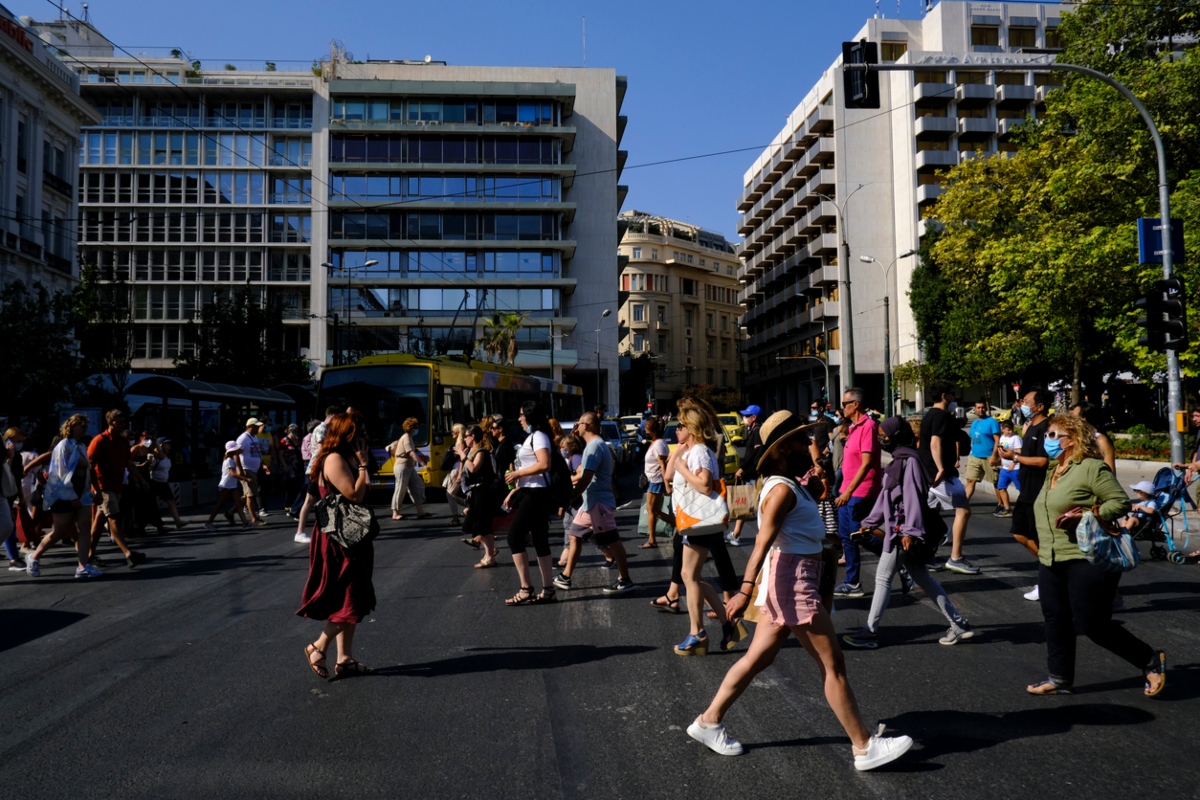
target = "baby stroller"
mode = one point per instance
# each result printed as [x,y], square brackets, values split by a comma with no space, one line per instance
[1170,493]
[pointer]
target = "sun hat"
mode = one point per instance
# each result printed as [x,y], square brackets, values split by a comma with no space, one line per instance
[254,421]
[750,411]
[231,446]
[1143,486]
[778,427]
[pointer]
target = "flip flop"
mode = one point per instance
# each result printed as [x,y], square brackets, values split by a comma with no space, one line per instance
[470,543]
[648,545]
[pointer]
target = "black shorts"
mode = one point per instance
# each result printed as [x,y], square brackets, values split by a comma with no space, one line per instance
[603,540]
[162,491]
[706,540]
[1024,521]
[62,507]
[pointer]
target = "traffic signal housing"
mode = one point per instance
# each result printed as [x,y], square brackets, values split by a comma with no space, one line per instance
[860,86]
[1166,316]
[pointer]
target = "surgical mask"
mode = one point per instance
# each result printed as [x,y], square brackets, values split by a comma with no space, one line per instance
[147,443]
[16,446]
[952,407]
[1054,448]
[1027,411]
[528,428]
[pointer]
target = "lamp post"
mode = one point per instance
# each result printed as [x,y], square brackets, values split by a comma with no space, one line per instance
[823,362]
[599,325]
[554,336]
[330,267]
[847,314]
[887,325]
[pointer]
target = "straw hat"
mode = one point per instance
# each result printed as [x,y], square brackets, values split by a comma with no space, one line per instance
[778,427]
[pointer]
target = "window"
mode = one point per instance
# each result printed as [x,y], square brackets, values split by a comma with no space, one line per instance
[724,323]
[708,375]
[639,342]
[661,313]
[637,252]
[21,145]
[639,313]
[964,77]
[1010,78]
[724,349]
[929,76]
[1053,39]
[708,321]
[654,253]
[687,287]
[891,51]
[687,318]
[662,343]
[708,350]
[1022,37]
[985,36]
[724,377]
[687,346]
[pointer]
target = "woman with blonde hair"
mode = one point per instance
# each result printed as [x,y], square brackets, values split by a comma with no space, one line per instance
[406,459]
[1077,595]
[68,496]
[452,466]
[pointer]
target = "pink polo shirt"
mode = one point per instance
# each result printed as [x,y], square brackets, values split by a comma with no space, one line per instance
[863,438]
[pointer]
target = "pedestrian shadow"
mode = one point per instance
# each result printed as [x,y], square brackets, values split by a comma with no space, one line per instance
[1183,683]
[491,659]
[948,732]
[21,625]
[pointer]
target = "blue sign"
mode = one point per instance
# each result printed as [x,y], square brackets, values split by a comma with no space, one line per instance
[1150,241]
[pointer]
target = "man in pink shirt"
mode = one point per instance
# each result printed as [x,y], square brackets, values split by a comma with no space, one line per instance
[860,485]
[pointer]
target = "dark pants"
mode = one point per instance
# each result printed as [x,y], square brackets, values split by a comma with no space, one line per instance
[1077,598]
[730,580]
[532,518]
[849,517]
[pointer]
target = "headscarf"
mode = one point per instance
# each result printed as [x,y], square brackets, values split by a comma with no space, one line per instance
[899,432]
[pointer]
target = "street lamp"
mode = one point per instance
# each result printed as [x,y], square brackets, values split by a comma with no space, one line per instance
[337,359]
[824,362]
[887,325]
[847,315]
[599,324]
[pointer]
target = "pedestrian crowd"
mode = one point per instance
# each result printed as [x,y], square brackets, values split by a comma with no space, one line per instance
[822,493]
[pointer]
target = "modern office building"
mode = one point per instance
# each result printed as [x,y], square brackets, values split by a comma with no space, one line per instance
[679,305]
[876,170]
[459,193]
[41,114]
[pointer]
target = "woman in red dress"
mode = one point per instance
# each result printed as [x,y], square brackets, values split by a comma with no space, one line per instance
[339,589]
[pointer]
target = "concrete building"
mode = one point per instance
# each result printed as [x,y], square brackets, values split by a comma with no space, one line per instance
[41,114]
[877,170]
[680,307]
[476,191]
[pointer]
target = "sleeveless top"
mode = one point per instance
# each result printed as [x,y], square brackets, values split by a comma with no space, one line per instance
[802,530]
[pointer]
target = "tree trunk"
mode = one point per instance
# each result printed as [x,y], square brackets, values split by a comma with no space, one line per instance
[1076,375]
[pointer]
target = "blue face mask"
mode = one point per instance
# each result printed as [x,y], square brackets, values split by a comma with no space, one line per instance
[1053,448]
[1027,411]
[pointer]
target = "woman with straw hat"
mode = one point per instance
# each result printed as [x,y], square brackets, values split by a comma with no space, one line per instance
[789,543]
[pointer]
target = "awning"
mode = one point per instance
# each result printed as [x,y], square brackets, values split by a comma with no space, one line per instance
[153,385]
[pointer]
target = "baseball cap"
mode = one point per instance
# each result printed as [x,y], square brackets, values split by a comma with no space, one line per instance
[750,411]
[253,421]
[230,446]
[1143,486]
[165,440]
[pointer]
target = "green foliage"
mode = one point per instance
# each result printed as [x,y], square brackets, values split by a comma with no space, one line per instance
[106,328]
[499,340]
[240,342]
[722,400]
[40,364]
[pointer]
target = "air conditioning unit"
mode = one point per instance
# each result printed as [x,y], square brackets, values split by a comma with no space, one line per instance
[434,122]
[506,124]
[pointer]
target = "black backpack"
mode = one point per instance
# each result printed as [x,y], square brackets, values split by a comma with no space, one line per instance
[561,489]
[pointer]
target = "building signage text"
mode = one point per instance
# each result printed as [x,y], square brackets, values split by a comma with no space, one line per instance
[16,32]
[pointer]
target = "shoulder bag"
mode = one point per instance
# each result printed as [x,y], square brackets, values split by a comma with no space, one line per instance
[346,522]
[1108,547]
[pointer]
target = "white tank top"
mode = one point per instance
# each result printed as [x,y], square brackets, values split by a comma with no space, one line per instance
[803,530]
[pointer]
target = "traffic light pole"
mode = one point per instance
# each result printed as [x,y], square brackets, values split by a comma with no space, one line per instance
[1175,423]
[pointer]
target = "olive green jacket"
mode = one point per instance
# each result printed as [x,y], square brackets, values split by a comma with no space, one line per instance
[1086,483]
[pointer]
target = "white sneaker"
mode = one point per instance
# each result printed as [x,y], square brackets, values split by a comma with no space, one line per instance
[882,750]
[714,738]
[1032,595]
[88,571]
[33,566]
[302,538]
[263,514]
[208,526]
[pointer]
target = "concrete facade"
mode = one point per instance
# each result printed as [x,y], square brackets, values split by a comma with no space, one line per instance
[41,114]
[877,170]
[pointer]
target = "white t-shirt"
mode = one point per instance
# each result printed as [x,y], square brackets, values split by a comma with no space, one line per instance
[527,457]
[162,470]
[228,479]
[1010,443]
[698,458]
[653,465]
[251,451]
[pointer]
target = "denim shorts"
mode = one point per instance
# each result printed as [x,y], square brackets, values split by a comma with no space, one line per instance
[656,488]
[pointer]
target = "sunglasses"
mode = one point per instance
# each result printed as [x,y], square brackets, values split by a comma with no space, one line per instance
[848,402]
[1056,435]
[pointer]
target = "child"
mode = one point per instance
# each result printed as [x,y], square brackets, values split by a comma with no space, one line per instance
[232,476]
[1008,468]
[1143,508]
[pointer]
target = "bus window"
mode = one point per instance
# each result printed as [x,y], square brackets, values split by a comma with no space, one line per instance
[386,396]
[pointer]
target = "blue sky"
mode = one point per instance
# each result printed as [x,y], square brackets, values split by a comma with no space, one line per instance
[704,76]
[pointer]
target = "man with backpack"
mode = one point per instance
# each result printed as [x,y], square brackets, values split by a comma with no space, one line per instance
[596,518]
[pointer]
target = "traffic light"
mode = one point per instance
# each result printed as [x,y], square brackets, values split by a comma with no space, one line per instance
[860,86]
[1166,316]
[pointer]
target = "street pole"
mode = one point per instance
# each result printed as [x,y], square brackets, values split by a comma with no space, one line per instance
[599,326]
[823,362]
[1174,383]
[887,356]
[846,314]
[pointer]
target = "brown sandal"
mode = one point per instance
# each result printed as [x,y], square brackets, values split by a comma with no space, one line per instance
[318,667]
[351,669]
[522,598]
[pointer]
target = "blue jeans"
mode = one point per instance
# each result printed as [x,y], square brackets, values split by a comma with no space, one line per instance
[849,517]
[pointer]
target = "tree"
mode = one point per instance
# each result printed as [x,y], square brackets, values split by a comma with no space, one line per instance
[721,399]
[105,327]
[500,337]
[239,341]
[40,361]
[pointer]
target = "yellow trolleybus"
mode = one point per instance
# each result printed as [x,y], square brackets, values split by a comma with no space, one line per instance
[439,392]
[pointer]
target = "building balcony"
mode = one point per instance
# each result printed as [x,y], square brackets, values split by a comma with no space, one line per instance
[934,160]
[826,310]
[52,181]
[824,276]
[543,359]
[823,181]
[1010,96]
[927,193]
[1040,92]
[973,129]
[638,324]
[1007,126]
[935,128]
[820,120]
[933,95]
[825,243]
[974,95]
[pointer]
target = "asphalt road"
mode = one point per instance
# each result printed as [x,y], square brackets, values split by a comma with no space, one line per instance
[186,678]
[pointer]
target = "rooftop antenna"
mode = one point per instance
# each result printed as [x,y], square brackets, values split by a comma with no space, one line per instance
[86,18]
[585,42]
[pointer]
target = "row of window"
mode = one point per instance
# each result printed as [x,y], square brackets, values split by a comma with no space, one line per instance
[534,264]
[444,225]
[721,294]
[633,282]
[638,343]
[189,266]
[451,111]
[443,150]
[451,188]
[1018,36]
[638,312]
[171,341]
[153,303]
[212,115]
[682,257]
[193,188]
[965,77]
[193,149]
[358,301]
[101,225]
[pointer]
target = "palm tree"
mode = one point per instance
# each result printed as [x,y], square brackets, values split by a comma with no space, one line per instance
[500,339]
